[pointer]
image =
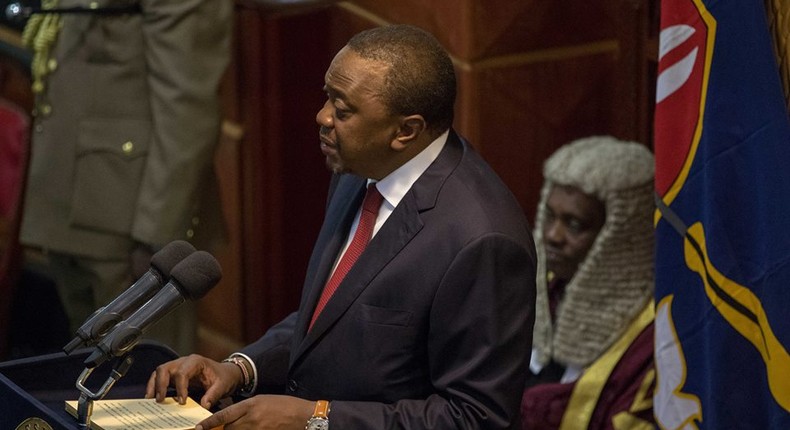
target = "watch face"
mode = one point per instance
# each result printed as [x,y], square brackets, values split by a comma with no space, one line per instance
[318,424]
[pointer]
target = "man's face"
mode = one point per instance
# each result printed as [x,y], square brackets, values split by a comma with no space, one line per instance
[572,222]
[356,126]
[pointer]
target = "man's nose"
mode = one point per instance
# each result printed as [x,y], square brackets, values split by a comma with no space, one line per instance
[554,232]
[324,115]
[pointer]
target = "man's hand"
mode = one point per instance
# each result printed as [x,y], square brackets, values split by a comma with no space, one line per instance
[264,412]
[218,379]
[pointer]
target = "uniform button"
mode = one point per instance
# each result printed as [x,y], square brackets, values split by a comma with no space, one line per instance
[38,87]
[190,233]
[195,220]
[52,64]
[39,128]
[45,109]
[127,147]
[94,5]
[292,385]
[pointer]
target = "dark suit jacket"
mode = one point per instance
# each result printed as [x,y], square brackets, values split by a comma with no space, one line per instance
[432,327]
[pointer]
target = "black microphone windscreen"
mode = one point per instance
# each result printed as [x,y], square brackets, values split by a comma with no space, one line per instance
[170,255]
[197,274]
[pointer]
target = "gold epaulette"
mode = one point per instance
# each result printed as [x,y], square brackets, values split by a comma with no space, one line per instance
[40,34]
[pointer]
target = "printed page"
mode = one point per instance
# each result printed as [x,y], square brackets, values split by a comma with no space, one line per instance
[143,414]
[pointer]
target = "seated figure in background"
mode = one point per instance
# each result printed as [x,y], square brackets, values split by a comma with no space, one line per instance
[592,357]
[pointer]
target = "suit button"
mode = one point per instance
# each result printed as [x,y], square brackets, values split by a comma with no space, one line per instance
[292,385]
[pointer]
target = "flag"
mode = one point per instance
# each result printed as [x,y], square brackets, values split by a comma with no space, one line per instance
[722,146]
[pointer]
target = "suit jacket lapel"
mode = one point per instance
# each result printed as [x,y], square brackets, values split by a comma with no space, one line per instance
[400,227]
[340,216]
[397,231]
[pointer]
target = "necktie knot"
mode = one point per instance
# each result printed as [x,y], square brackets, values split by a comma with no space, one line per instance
[373,200]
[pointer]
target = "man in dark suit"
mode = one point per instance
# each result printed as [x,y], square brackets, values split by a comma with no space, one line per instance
[432,325]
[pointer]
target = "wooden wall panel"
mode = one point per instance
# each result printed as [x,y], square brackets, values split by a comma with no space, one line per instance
[524,112]
[221,324]
[275,91]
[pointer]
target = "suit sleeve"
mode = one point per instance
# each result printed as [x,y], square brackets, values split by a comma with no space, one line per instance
[479,341]
[271,353]
[187,48]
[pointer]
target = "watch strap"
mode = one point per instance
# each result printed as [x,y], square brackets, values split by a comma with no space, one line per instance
[320,418]
[321,409]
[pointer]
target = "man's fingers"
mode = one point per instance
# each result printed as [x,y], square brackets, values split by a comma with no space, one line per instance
[150,388]
[179,374]
[162,375]
[211,397]
[181,383]
[225,416]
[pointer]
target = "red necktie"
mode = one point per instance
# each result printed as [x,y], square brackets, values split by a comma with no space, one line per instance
[367,220]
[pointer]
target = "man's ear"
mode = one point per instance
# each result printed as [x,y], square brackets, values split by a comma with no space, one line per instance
[411,128]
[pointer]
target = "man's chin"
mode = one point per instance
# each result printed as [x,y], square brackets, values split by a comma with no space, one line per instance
[334,166]
[562,273]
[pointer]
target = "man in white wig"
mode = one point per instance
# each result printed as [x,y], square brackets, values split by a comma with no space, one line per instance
[592,358]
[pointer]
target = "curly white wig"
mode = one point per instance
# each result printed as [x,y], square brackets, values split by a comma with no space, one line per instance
[615,280]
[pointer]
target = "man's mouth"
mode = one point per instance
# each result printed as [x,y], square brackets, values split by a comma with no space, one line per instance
[554,256]
[327,146]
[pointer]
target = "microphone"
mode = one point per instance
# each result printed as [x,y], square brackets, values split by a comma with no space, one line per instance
[104,319]
[190,279]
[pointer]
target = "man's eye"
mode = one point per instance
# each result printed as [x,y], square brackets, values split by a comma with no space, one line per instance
[341,113]
[575,226]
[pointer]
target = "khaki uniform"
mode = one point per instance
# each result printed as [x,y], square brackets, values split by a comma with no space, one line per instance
[127,121]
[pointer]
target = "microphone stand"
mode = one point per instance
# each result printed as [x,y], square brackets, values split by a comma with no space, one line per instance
[85,402]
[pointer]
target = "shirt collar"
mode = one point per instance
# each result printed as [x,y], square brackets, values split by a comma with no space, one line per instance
[395,185]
